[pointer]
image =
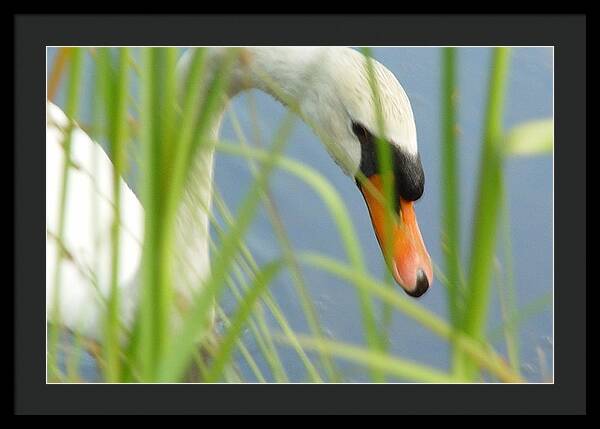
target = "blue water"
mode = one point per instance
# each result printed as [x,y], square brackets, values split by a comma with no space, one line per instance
[529,185]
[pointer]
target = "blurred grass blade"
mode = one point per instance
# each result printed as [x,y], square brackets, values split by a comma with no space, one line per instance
[488,202]
[531,138]
[223,354]
[384,156]
[258,325]
[308,308]
[164,146]
[450,181]
[334,204]
[195,325]
[347,231]
[73,90]
[385,363]
[506,290]
[450,192]
[145,349]
[386,172]
[484,357]
[74,359]
[244,350]
[524,312]
[115,96]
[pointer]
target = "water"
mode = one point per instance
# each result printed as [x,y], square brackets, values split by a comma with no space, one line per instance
[307,222]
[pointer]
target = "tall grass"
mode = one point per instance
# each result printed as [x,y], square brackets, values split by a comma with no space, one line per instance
[174,122]
[308,307]
[116,104]
[451,199]
[488,204]
[73,90]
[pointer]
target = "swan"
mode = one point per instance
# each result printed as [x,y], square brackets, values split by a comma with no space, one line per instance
[334,95]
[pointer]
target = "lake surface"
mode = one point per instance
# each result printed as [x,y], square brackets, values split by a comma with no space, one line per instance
[307,222]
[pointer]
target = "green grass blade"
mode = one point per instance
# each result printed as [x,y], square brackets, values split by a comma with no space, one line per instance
[143,346]
[487,209]
[244,350]
[197,322]
[450,180]
[506,291]
[333,202]
[308,308]
[245,264]
[385,363]
[524,312]
[165,87]
[196,113]
[257,324]
[115,96]
[164,143]
[347,232]
[74,359]
[384,157]
[484,357]
[250,267]
[72,107]
[225,350]
[451,195]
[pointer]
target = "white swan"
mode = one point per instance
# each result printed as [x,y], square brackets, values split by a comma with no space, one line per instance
[331,86]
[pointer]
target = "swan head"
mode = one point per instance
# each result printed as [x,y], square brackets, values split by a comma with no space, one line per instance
[331,90]
[339,102]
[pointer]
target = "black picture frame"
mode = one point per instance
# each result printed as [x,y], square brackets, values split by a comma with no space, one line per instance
[568,35]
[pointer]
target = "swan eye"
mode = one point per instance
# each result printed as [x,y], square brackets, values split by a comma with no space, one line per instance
[408,171]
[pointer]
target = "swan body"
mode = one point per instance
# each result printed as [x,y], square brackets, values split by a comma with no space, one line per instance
[86,268]
[331,88]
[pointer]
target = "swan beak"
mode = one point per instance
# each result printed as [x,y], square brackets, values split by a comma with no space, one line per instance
[409,261]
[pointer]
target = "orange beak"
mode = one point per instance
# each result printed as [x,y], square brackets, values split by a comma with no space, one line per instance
[407,256]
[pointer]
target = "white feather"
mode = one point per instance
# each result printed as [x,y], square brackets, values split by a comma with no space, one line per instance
[86,268]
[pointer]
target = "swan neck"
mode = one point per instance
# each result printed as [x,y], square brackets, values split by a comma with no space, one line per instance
[278,71]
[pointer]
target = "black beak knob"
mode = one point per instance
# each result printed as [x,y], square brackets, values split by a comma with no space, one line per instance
[422,284]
